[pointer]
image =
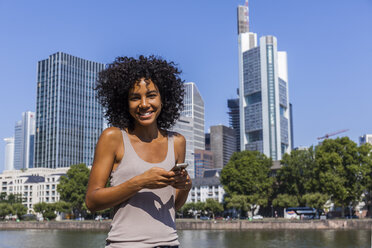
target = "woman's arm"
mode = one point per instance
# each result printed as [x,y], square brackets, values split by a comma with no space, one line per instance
[183,182]
[109,152]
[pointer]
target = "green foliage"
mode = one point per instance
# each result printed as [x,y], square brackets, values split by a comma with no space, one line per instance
[19,209]
[239,202]
[247,173]
[5,209]
[72,188]
[286,200]
[188,209]
[293,177]
[13,198]
[63,207]
[213,207]
[339,171]
[315,200]
[46,209]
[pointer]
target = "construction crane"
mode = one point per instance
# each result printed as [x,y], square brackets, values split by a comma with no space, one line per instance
[326,136]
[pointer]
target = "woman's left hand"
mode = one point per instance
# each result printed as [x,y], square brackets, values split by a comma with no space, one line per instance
[182,180]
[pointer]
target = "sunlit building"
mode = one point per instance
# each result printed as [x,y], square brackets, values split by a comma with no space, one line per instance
[69,118]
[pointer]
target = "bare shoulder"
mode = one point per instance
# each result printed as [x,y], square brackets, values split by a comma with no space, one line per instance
[111,137]
[111,133]
[179,139]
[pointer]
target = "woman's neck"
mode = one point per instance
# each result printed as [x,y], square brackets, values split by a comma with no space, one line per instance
[147,133]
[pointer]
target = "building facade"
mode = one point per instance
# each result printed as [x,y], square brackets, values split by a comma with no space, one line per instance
[203,161]
[9,154]
[194,108]
[34,185]
[24,133]
[207,187]
[263,96]
[234,119]
[367,138]
[223,144]
[185,126]
[69,118]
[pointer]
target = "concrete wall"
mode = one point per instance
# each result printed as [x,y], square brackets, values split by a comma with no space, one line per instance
[199,225]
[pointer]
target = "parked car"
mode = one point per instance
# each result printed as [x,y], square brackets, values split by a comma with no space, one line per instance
[257,217]
[204,217]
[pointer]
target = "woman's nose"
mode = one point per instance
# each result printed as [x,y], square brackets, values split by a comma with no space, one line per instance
[144,103]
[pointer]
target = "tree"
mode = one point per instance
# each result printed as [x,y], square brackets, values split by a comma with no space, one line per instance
[238,202]
[63,207]
[315,200]
[46,209]
[19,209]
[339,171]
[293,177]
[72,188]
[286,200]
[213,207]
[248,173]
[366,160]
[14,198]
[5,209]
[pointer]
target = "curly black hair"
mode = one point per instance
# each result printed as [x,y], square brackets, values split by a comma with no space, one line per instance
[118,78]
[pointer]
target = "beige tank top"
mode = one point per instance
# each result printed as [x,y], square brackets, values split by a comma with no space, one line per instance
[148,218]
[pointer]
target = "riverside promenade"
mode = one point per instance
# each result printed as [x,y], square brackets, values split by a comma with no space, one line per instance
[184,224]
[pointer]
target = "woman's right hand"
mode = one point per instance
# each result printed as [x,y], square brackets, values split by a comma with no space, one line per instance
[156,178]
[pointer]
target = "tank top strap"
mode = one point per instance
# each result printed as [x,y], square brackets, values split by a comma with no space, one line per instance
[170,153]
[128,149]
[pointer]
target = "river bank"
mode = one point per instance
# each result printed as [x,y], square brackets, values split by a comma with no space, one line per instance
[201,225]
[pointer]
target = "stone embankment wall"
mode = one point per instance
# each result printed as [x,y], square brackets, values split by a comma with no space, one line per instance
[198,225]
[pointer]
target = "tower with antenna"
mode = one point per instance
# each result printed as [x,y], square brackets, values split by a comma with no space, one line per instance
[264,106]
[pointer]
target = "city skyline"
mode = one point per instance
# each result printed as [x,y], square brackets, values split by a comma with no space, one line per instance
[328,70]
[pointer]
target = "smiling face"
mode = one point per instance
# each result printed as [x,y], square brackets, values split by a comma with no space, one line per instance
[144,102]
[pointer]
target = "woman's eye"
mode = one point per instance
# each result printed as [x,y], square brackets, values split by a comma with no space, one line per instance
[152,96]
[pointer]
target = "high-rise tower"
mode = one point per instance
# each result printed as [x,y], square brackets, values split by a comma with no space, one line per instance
[24,134]
[69,118]
[263,95]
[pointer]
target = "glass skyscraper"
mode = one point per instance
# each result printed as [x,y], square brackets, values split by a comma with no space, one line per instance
[191,124]
[263,96]
[24,133]
[69,118]
[194,108]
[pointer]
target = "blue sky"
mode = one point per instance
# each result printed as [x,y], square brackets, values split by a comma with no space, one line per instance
[329,46]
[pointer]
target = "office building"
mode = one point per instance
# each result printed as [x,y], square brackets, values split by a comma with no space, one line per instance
[207,187]
[24,134]
[9,154]
[223,144]
[194,108]
[69,118]
[35,185]
[203,162]
[234,119]
[263,95]
[185,126]
[207,141]
[367,138]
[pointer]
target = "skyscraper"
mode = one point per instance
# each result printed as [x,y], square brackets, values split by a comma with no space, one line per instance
[223,144]
[69,118]
[9,154]
[185,126]
[194,108]
[24,133]
[263,95]
[234,120]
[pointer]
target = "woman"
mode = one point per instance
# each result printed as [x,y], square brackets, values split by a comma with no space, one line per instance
[142,97]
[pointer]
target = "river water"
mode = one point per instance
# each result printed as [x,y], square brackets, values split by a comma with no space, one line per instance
[196,239]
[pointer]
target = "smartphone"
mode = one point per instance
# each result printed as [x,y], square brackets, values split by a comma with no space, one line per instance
[180,166]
